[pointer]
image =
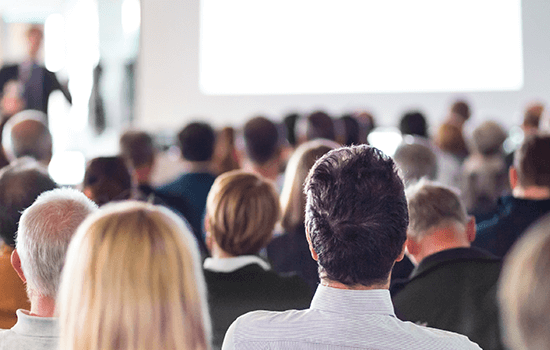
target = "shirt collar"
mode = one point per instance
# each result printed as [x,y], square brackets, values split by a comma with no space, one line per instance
[353,302]
[233,264]
[35,326]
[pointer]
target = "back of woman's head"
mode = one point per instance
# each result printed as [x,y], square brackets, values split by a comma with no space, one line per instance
[241,212]
[107,179]
[293,199]
[132,280]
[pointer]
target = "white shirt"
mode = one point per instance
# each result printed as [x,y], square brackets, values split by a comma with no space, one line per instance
[339,319]
[30,332]
[233,264]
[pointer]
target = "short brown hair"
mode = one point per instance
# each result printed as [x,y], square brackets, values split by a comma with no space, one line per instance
[461,108]
[242,209]
[137,148]
[532,162]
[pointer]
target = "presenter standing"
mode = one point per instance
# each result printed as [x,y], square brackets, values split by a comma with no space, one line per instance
[36,81]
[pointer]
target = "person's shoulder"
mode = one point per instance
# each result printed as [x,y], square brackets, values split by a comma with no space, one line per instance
[432,338]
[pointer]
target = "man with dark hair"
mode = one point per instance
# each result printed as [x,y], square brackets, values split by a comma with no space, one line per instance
[21,183]
[356,223]
[196,142]
[318,125]
[262,148]
[530,199]
[138,150]
[414,123]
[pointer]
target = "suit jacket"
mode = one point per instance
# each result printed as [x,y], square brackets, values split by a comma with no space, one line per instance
[232,294]
[514,216]
[454,290]
[49,85]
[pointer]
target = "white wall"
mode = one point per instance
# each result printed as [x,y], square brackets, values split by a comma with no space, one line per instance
[168,95]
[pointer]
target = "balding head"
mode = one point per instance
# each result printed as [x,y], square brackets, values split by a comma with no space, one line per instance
[26,134]
[45,230]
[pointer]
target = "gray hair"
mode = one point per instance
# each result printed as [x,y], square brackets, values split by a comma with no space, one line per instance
[432,205]
[27,134]
[523,290]
[45,230]
[21,182]
[488,138]
[415,161]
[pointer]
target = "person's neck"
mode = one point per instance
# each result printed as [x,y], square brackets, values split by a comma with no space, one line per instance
[42,306]
[440,239]
[268,170]
[531,192]
[338,285]
[198,167]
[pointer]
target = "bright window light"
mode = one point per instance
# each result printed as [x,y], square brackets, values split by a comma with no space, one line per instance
[54,42]
[386,139]
[67,168]
[131,16]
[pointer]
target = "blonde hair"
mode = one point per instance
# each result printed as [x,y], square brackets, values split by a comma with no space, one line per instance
[293,199]
[132,280]
[241,212]
[523,291]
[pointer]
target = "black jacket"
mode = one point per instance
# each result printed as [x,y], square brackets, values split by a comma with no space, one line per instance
[454,290]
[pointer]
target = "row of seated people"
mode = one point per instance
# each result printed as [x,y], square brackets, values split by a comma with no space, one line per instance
[531,151]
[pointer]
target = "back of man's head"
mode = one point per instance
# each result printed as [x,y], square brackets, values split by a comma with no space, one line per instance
[44,233]
[415,161]
[432,205]
[196,141]
[20,183]
[532,162]
[261,140]
[320,126]
[413,123]
[27,135]
[461,109]
[356,215]
[137,148]
[489,137]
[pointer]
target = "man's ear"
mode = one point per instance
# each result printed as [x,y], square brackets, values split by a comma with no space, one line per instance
[402,254]
[16,263]
[513,176]
[313,252]
[471,229]
[208,240]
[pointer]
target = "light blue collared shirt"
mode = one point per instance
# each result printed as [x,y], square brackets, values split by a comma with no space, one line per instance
[339,319]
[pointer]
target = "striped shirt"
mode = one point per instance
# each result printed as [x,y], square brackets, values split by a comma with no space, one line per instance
[339,319]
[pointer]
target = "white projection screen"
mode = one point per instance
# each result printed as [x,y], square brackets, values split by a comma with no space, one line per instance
[227,61]
[253,47]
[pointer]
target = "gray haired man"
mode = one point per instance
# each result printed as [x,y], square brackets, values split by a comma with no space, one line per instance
[45,230]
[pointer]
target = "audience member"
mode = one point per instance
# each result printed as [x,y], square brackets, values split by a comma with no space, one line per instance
[138,149]
[45,230]
[37,81]
[366,125]
[523,291]
[290,121]
[460,113]
[356,223]
[414,123]
[196,141]
[453,286]
[532,118]
[26,135]
[108,179]
[415,161]
[262,148]
[241,213]
[488,138]
[530,199]
[20,183]
[132,280]
[350,133]
[449,139]
[225,154]
[290,252]
[318,125]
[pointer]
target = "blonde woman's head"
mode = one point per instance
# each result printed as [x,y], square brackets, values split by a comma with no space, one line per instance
[241,212]
[293,199]
[132,280]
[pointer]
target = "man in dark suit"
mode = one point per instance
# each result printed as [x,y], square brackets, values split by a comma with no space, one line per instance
[453,286]
[37,81]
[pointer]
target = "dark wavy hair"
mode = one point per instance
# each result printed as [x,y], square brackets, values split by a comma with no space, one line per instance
[356,215]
